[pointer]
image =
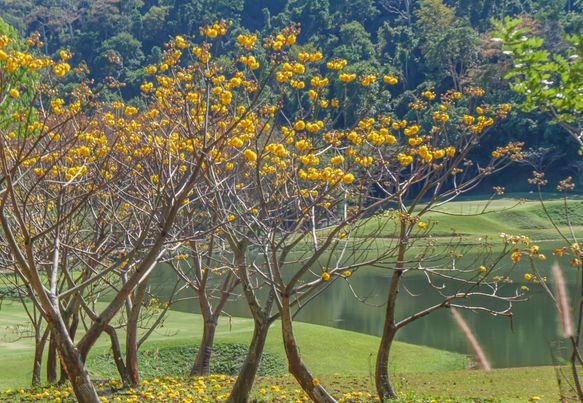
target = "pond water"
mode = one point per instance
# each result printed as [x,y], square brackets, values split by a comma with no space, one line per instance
[524,340]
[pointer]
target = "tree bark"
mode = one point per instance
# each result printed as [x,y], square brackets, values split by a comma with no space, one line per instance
[77,374]
[246,377]
[384,389]
[382,381]
[39,348]
[117,357]
[52,361]
[72,362]
[132,334]
[72,333]
[202,362]
[297,368]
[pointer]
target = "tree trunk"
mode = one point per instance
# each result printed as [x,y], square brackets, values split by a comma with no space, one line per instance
[132,349]
[72,333]
[244,383]
[132,333]
[77,374]
[202,362]
[117,357]
[383,385]
[72,361]
[52,361]
[297,368]
[39,348]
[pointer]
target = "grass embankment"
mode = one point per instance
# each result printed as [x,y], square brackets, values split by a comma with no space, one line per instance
[341,359]
[471,218]
[325,350]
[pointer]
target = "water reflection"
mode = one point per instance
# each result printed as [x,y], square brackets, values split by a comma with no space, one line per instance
[521,341]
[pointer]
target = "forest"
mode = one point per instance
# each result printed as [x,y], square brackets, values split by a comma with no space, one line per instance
[432,44]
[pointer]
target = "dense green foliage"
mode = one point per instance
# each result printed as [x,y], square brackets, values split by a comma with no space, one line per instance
[550,81]
[430,44]
[176,361]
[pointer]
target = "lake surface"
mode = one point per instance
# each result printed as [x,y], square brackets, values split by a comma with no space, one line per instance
[524,340]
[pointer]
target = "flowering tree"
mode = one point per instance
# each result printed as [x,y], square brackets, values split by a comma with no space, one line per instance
[302,184]
[65,174]
[207,269]
[433,168]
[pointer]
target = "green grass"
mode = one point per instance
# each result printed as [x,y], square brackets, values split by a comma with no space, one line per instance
[326,351]
[341,359]
[177,360]
[510,215]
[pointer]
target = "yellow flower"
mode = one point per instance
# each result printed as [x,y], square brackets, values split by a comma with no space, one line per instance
[61,69]
[415,141]
[65,55]
[300,125]
[483,269]
[422,225]
[430,95]
[181,42]
[231,217]
[368,80]
[437,154]
[211,33]
[391,80]
[348,178]
[315,381]
[250,155]
[347,78]
[226,97]
[515,257]
[469,119]
[247,41]
[130,111]
[339,159]
[147,87]
[404,160]
[155,179]
[14,93]
[347,273]
[528,276]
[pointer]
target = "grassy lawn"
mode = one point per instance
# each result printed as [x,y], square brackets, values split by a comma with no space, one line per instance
[327,351]
[341,359]
[472,218]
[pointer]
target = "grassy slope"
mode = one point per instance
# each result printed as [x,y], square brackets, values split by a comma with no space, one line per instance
[327,351]
[510,215]
[340,358]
